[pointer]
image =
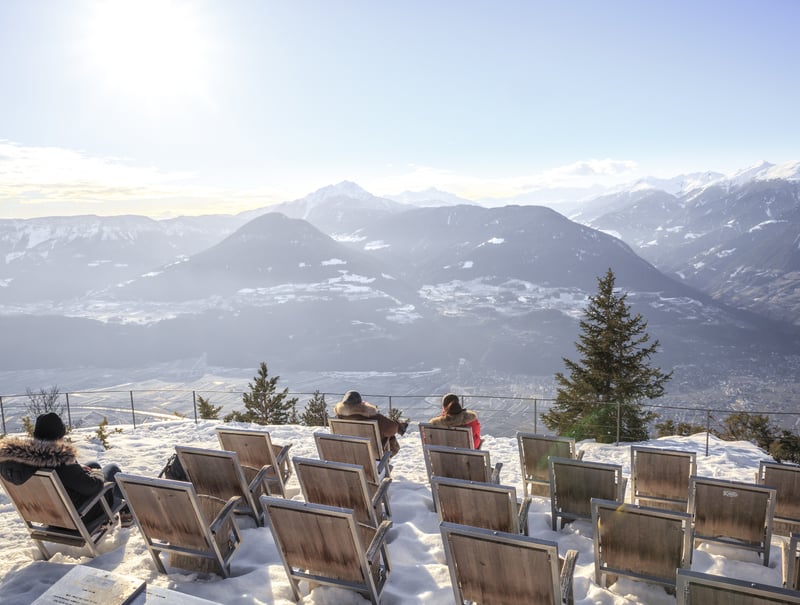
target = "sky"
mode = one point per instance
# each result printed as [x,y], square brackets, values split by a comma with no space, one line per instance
[419,571]
[165,107]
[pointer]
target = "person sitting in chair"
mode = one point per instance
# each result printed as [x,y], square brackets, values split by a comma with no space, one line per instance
[354,408]
[454,415]
[21,458]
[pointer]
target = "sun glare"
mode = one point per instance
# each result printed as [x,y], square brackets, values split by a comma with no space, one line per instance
[153,51]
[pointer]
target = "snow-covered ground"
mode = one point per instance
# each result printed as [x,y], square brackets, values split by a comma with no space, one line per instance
[419,573]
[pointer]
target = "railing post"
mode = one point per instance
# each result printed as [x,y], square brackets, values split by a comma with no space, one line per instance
[69,413]
[3,414]
[390,406]
[619,419]
[535,416]
[708,428]
[194,404]
[133,411]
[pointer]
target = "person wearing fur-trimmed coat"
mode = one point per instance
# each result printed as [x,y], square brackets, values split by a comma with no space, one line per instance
[20,458]
[353,407]
[453,415]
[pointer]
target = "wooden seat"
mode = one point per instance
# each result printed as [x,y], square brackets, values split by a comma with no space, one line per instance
[639,542]
[324,545]
[660,477]
[791,562]
[50,516]
[456,436]
[480,504]
[534,450]
[360,428]
[343,485]
[506,569]
[733,513]
[218,473]
[256,450]
[461,463]
[573,484]
[198,532]
[785,478]
[695,588]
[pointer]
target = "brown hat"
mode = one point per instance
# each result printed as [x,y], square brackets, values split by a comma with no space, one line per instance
[351,398]
[451,405]
[49,427]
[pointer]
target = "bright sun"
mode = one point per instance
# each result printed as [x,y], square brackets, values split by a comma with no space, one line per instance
[153,51]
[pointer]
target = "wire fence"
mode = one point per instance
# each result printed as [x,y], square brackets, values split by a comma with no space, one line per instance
[500,415]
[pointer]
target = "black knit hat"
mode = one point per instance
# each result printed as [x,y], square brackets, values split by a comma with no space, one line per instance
[49,427]
[351,398]
[451,404]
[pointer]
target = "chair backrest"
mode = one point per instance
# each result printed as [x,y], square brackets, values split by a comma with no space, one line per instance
[455,436]
[791,562]
[695,588]
[732,512]
[359,428]
[336,484]
[640,542]
[458,463]
[42,500]
[534,450]
[173,518]
[478,504]
[349,449]
[218,473]
[660,477]
[573,484]
[500,568]
[321,544]
[785,478]
[255,449]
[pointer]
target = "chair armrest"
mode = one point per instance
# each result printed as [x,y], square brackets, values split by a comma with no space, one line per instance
[579,454]
[380,493]
[524,506]
[260,477]
[378,539]
[98,497]
[623,485]
[282,456]
[222,515]
[567,571]
[383,464]
[496,472]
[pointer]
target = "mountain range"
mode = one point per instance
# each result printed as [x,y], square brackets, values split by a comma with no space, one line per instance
[343,280]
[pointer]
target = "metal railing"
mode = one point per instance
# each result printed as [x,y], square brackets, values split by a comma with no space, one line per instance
[500,415]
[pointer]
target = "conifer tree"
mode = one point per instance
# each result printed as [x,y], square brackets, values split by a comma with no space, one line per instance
[206,410]
[613,374]
[316,411]
[264,404]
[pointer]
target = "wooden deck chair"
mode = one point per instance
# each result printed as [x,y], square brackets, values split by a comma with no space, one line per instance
[695,588]
[343,485]
[360,428]
[534,449]
[325,545]
[461,463]
[639,542]
[355,450]
[50,516]
[218,473]
[785,478]
[791,562]
[198,532]
[733,513]
[573,484]
[256,450]
[455,436]
[480,504]
[660,477]
[506,569]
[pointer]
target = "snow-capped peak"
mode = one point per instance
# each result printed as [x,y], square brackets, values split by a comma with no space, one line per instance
[429,197]
[745,175]
[343,189]
[789,171]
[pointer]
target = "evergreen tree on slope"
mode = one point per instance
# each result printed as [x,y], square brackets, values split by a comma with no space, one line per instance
[264,404]
[613,372]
